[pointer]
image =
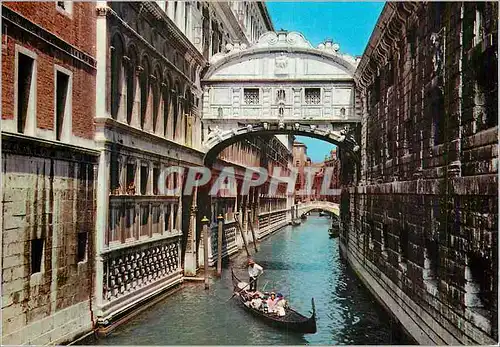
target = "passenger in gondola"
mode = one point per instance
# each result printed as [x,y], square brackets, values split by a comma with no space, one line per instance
[280,305]
[271,302]
[254,271]
[256,301]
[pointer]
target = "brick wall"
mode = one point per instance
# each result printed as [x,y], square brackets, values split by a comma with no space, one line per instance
[425,213]
[79,31]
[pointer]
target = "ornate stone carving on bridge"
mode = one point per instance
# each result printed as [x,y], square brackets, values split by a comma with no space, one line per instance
[286,40]
[281,64]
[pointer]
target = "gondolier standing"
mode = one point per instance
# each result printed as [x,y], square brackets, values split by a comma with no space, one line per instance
[254,271]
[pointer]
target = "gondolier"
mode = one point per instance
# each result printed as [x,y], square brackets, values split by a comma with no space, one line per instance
[254,271]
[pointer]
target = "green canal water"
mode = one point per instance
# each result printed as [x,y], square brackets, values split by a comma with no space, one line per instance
[300,262]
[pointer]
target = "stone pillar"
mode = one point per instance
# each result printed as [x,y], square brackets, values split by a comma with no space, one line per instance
[122,107]
[101,223]
[297,101]
[266,102]
[136,108]
[102,52]
[205,223]
[190,255]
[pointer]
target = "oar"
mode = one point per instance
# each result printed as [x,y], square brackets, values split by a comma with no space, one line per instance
[243,288]
[265,285]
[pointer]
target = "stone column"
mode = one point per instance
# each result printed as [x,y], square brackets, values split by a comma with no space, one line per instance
[297,103]
[190,255]
[122,107]
[101,223]
[136,108]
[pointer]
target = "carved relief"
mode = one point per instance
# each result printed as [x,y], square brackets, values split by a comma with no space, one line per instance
[281,64]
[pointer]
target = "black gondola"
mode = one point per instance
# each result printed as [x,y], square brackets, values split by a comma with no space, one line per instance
[292,321]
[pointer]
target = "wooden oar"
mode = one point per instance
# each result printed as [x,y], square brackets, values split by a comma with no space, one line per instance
[243,288]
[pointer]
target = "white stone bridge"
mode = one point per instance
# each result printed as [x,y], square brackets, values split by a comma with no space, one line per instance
[327,206]
[280,85]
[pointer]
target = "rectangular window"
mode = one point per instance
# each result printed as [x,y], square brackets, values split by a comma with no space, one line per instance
[144,220]
[114,172]
[313,96]
[82,246]
[62,82]
[36,255]
[131,179]
[176,209]
[25,90]
[156,177]
[438,116]
[167,217]
[144,179]
[251,96]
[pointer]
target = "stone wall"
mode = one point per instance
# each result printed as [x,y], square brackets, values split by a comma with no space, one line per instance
[421,223]
[47,244]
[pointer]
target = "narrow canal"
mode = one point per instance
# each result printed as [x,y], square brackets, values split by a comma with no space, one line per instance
[300,262]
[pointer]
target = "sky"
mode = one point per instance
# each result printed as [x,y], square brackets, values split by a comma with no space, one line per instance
[349,24]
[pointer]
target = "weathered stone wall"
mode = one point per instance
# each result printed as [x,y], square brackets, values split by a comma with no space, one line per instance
[422,222]
[48,195]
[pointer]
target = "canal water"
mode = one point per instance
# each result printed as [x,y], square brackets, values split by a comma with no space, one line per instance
[301,262]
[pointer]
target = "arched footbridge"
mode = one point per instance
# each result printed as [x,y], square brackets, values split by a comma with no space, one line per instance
[326,206]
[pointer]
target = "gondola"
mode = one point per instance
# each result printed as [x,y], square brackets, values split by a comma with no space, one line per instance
[292,321]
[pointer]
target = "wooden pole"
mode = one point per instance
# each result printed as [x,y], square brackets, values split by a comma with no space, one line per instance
[253,231]
[205,222]
[242,234]
[220,219]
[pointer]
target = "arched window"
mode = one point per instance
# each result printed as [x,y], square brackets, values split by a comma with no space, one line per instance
[116,75]
[144,90]
[131,68]
[175,105]
[156,99]
[166,106]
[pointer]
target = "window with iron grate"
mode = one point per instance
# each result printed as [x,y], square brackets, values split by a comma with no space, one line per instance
[251,96]
[313,96]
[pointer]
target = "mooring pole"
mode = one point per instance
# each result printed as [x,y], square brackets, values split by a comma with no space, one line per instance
[220,219]
[242,233]
[204,222]
[253,231]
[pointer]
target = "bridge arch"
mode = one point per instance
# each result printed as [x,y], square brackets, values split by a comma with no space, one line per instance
[326,206]
[280,85]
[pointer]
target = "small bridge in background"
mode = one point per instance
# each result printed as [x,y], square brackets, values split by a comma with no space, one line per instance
[327,206]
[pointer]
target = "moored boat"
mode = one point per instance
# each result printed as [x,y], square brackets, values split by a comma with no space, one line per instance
[291,321]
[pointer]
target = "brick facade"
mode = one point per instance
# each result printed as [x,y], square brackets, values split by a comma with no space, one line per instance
[78,31]
[48,179]
[423,214]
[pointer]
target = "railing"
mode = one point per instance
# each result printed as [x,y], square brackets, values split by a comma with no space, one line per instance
[129,269]
[229,244]
[269,220]
[140,217]
[325,205]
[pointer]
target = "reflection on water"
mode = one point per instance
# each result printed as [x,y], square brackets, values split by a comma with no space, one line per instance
[300,262]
